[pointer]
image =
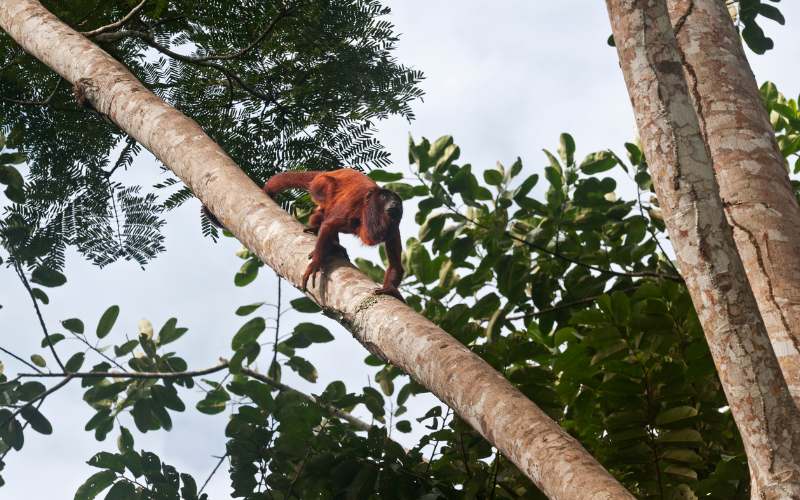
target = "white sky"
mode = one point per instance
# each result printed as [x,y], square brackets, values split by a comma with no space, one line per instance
[504,78]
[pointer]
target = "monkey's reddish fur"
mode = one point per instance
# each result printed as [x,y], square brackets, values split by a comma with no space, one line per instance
[348,202]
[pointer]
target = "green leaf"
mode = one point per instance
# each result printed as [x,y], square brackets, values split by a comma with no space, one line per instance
[303,368]
[170,332]
[249,332]
[48,277]
[95,484]
[682,455]
[684,472]
[54,339]
[675,415]
[38,360]
[40,295]
[248,309]
[106,460]
[247,273]
[107,321]
[214,402]
[12,159]
[493,177]
[305,305]
[598,162]
[403,426]
[36,420]
[566,149]
[125,348]
[384,176]
[771,12]
[681,436]
[75,362]
[30,390]
[125,440]
[122,490]
[73,324]
[375,273]
[314,333]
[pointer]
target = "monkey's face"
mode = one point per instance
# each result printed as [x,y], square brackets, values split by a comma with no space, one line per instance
[392,204]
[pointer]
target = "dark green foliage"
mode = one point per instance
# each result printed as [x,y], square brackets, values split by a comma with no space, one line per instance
[752,34]
[277,85]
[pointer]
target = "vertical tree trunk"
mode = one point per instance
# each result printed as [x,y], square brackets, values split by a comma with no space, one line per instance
[543,451]
[753,182]
[684,181]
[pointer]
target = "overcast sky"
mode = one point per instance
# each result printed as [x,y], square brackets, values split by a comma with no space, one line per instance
[504,78]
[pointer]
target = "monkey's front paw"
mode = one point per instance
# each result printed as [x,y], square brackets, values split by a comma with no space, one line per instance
[394,292]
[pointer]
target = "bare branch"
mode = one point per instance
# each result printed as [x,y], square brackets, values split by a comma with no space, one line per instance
[21,274]
[115,24]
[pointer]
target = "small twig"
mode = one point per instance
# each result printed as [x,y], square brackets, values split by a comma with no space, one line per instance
[587,300]
[115,24]
[40,397]
[216,467]
[27,286]
[44,102]
[21,360]
[99,352]
[351,419]
[131,375]
[267,32]
[497,457]
[24,426]
[436,443]
[464,454]
[277,325]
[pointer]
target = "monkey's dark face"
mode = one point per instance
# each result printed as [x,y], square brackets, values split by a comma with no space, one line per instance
[392,204]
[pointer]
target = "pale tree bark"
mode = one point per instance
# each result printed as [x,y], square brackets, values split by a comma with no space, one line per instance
[550,457]
[753,181]
[683,177]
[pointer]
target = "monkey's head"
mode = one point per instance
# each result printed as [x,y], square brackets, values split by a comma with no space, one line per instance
[392,204]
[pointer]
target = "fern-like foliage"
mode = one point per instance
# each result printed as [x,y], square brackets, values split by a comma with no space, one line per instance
[280,85]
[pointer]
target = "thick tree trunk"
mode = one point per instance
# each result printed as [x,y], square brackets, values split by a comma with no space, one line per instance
[686,188]
[555,461]
[753,181]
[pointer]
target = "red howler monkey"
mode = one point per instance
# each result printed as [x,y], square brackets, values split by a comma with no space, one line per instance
[348,202]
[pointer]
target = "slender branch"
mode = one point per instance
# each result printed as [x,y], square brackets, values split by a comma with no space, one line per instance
[214,471]
[277,326]
[27,286]
[351,419]
[130,144]
[150,40]
[24,426]
[115,24]
[44,102]
[587,300]
[267,32]
[497,457]
[21,360]
[131,375]
[464,454]
[40,397]
[99,352]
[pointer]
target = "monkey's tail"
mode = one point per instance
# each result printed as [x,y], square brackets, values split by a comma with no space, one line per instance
[289,180]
